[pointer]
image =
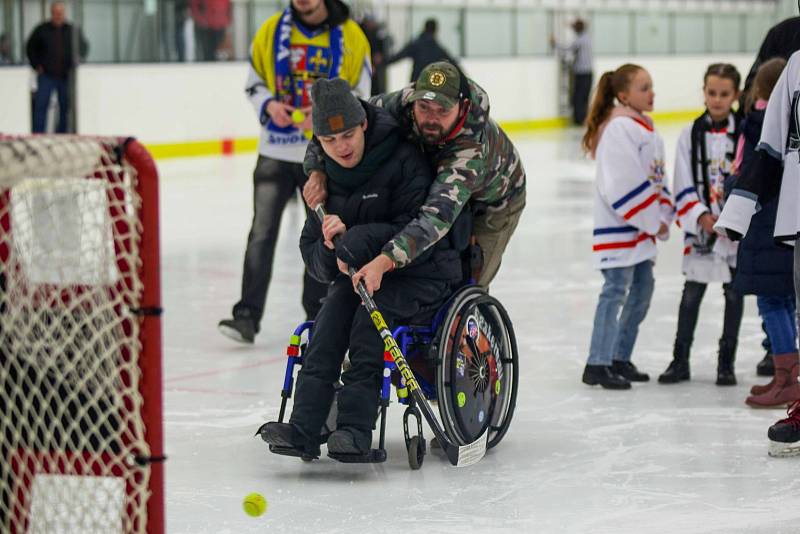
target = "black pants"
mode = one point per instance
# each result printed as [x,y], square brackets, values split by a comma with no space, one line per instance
[208,40]
[689,310]
[581,87]
[342,324]
[274,183]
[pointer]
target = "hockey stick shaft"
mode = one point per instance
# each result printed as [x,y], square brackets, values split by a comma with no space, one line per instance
[458,455]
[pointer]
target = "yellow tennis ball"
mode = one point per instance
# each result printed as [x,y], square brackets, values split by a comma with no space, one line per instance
[298,116]
[254,504]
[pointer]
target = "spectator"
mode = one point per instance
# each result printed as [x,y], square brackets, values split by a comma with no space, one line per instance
[580,51]
[380,42]
[182,36]
[51,53]
[5,50]
[211,20]
[423,51]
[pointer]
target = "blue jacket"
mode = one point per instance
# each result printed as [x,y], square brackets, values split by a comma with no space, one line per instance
[763,268]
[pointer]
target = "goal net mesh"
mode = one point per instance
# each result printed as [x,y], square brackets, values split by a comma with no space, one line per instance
[73,443]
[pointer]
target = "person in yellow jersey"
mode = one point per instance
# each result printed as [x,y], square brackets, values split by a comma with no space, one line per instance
[308,41]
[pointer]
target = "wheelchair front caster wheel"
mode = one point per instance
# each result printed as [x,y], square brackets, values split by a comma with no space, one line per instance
[416,452]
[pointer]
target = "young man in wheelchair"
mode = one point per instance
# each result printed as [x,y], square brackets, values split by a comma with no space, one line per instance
[377,182]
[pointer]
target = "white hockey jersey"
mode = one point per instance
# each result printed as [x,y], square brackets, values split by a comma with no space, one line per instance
[780,137]
[706,258]
[631,200]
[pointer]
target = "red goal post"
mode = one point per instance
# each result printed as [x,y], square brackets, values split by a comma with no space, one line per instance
[81,439]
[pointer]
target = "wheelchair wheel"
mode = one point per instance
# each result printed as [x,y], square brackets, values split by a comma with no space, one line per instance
[477,372]
[416,452]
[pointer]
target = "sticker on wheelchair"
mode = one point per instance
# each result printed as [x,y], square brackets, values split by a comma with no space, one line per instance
[461,364]
[472,453]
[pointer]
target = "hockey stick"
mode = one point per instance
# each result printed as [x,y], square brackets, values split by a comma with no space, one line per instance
[458,455]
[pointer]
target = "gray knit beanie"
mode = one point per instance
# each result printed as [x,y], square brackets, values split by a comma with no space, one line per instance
[335,108]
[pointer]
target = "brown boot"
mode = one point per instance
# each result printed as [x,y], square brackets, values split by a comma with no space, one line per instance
[785,389]
[760,389]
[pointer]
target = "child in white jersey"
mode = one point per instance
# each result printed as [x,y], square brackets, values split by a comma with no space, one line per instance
[703,163]
[631,208]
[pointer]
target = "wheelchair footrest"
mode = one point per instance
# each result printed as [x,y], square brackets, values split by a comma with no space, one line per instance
[374,456]
[292,451]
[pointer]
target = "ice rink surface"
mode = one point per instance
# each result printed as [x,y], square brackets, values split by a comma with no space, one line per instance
[683,458]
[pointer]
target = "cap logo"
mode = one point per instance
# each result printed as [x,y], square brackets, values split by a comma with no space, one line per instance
[336,122]
[430,95]
[437,78]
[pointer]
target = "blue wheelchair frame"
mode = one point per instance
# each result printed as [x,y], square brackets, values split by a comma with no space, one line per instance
[406,336]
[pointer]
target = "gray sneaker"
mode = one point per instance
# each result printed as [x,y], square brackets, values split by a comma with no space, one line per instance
[241,330]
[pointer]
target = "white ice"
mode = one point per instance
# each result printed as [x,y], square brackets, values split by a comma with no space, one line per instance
[682,458]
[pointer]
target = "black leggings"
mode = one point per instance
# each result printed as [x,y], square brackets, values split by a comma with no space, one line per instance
[693,293]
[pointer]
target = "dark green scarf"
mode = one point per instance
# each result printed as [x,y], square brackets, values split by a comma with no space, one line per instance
[374,157]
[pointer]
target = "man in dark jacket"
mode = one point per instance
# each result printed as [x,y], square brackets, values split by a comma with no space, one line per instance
[51,52]
[377,182]
[423,50]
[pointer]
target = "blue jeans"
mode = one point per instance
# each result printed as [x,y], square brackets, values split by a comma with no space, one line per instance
[778,314]
[45,85]
[614,333]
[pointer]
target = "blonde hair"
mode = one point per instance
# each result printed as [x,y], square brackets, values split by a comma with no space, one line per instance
[610,85]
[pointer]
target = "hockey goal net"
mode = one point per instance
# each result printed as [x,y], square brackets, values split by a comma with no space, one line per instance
[80,338]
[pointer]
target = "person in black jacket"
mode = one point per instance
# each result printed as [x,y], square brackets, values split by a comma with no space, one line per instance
[377,183]
[51,52]
[765,269]
[423,51]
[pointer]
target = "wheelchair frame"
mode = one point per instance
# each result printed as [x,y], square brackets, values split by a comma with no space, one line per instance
[406,337]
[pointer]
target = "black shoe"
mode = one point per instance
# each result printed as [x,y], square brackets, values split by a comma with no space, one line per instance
[603,375]
[288,439]
[349,441]
[241,330]
[629,371]
[725,376]
[725,359]
[765,367]
[678,371]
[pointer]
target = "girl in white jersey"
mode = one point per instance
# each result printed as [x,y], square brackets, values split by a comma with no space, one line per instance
[631,208]
[703,164]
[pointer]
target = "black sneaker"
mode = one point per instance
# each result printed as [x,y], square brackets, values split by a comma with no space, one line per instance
[765,367]
[603,375]
[629,371]
[349,441]
[241,330]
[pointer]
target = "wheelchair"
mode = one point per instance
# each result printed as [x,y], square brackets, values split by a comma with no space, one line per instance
[465,360]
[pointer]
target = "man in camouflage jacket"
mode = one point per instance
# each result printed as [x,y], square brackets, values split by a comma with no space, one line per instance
[448,116]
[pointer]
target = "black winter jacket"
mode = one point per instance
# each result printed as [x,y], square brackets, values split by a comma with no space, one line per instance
[763,268]
[377,210]
[423,51]
[51,49]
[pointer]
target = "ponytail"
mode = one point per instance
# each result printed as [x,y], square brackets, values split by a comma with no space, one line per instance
[610,85]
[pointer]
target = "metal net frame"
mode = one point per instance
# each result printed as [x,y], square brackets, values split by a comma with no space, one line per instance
[80,337]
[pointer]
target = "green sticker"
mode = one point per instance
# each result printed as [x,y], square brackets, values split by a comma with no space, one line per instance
[497,387]
[462,399]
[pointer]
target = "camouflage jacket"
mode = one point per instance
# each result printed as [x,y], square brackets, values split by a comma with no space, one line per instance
[478,162]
